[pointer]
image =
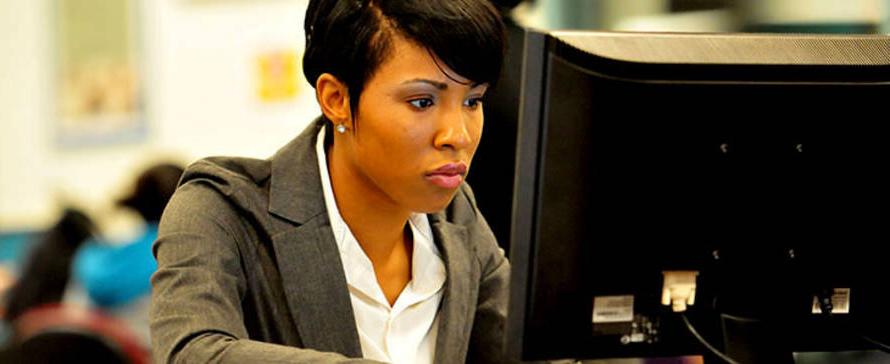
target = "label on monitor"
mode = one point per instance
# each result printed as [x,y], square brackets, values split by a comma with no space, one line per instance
[613,309]
[840,302]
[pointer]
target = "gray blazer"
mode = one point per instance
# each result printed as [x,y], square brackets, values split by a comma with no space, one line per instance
[249,272]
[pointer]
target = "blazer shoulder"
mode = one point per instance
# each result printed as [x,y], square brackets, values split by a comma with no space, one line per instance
[228,172]
[224,186]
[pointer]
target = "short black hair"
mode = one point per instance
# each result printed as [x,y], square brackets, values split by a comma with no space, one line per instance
[351,38]
[153,189]
[506,6]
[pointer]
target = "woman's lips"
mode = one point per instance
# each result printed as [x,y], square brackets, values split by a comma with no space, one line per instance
[448,176]
[445,181]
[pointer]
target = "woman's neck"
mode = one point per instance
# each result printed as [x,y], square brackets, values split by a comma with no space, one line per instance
[376,221]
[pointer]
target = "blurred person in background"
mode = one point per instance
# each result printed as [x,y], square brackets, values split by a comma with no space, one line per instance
[116,274]
[359,239]
[45,275]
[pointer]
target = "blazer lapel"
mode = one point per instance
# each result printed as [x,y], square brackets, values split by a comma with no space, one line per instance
[315,287]
[459,298]
[307,255]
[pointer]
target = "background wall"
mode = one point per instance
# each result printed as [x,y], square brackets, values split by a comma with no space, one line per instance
[199,59]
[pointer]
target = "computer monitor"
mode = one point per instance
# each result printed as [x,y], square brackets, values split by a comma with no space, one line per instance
[757,163]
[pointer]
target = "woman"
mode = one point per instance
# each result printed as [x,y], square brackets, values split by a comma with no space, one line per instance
[358,239]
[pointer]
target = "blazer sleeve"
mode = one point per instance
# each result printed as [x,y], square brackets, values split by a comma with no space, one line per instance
[487,336]
[196,314]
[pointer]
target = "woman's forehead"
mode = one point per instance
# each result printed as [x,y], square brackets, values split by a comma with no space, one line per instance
[409,61]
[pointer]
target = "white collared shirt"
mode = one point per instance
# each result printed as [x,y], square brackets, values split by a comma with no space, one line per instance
[406,331]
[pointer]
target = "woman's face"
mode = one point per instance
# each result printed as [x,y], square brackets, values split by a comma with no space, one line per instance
[416,129]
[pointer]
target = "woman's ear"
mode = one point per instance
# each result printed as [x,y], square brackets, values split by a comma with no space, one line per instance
[333,97]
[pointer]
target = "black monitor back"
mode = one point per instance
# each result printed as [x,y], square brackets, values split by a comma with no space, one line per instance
[759,161]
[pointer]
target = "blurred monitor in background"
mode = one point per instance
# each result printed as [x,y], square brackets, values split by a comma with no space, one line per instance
[775,16]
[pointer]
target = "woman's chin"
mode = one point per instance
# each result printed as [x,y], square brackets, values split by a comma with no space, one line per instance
[437,205]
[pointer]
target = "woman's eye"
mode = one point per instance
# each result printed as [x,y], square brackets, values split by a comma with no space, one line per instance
[421,103]
[473,102]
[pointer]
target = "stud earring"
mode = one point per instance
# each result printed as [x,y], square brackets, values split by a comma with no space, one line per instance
[341,129]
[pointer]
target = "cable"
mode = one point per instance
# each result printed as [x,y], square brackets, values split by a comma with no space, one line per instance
[704,342]
[740,318]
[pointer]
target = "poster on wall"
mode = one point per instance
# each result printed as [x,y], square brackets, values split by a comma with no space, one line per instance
[277,76]
[98,77]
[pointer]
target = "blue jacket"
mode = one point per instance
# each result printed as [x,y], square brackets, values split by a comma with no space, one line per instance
[114,275]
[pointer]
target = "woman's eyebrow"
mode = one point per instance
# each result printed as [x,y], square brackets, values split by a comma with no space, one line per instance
[436,84]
